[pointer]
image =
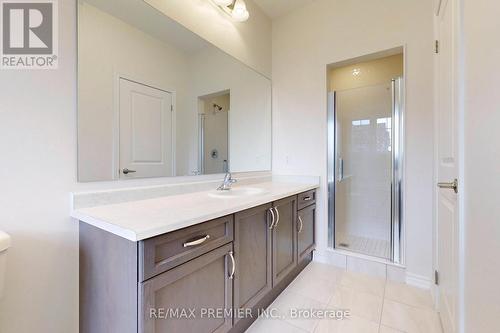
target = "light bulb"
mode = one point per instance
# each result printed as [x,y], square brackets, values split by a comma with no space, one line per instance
[240,12]
[223,3]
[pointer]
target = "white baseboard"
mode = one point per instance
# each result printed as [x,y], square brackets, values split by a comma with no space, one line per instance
[331,258]
[418,281]
[393,272]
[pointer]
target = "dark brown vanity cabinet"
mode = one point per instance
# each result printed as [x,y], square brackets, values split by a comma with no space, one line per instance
[284,238]
[199,279]
[253,254]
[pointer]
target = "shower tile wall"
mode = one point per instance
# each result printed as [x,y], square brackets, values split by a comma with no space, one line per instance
[363,195]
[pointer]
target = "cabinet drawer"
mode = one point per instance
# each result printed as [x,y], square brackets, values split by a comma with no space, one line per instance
[306,199]
[202,284]
[161,253]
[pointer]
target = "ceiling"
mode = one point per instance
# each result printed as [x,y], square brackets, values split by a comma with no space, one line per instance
[276,8]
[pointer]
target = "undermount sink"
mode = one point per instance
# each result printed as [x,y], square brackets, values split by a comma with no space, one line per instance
[237,192]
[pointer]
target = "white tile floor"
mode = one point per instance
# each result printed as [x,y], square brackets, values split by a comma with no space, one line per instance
[375,305]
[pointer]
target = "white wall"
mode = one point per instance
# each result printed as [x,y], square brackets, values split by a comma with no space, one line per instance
[328,31]
[482,165]
[249,42]
[38,171]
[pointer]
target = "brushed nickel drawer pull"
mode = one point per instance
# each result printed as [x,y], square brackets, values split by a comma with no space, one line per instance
[277,217]
[307,199]
[197,241]
[301,225]
[233,263]
[272,218]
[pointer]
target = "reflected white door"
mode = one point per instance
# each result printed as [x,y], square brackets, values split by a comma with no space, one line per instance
[447,205]
[146,131]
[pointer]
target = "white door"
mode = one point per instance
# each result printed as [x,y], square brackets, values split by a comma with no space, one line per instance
[145,131]
[447,205]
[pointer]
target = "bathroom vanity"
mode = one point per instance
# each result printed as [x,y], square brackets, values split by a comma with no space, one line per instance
[156,100]
[209,276]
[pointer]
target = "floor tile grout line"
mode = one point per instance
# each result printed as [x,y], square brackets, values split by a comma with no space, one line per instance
[295,326]
[413,306]
[383,302]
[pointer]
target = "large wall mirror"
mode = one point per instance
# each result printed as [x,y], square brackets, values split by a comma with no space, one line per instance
[156,100]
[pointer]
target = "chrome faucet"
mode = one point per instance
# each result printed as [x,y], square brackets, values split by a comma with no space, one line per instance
[226,183]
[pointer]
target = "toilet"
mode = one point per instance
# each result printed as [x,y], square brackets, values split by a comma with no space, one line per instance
[4,246]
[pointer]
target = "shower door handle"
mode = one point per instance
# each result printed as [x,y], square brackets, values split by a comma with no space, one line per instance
[341,169]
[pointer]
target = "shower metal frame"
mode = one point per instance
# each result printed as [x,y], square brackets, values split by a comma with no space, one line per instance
[397,174]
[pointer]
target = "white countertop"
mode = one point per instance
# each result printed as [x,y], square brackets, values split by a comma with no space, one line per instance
[141,219]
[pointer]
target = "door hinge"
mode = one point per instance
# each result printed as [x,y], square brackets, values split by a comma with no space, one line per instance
[436,46]
[171,108]
[436,278]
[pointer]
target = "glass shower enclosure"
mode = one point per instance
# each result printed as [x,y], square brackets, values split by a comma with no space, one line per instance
[365,172]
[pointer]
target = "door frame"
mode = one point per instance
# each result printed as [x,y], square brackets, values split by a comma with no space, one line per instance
[458,100]
[119,75]
[398,228]
[200,104]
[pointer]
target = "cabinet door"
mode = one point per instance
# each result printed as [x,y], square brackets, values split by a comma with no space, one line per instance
[284,238]
[200,285]
[252,250]
[306,219]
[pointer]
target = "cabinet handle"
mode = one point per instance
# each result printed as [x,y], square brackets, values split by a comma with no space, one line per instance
[277,216]
[272,218]
[301,224]
[233,264]
[307,199]
[197,241]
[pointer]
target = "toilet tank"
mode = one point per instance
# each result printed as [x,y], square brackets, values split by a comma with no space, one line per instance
[4,246]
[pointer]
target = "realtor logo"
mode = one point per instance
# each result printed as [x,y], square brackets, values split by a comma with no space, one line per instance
[29,34]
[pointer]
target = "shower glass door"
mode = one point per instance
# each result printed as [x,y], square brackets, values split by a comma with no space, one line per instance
[363,170]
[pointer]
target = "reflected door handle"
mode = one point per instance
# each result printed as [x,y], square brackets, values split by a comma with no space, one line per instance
[453,185]
[127,171]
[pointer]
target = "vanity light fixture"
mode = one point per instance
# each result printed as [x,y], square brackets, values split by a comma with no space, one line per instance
[237,9]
